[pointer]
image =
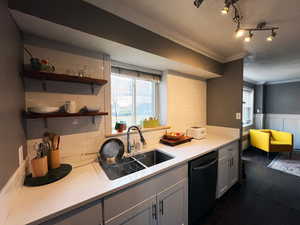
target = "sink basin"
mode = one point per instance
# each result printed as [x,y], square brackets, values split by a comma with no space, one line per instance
[125,167]
[152,158]
[133,164]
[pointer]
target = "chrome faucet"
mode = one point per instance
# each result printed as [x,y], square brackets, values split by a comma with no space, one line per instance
[128,139]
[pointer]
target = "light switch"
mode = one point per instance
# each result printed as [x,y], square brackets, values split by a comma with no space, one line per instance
[238,116]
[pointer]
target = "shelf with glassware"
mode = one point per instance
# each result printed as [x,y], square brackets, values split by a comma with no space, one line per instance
[49,76]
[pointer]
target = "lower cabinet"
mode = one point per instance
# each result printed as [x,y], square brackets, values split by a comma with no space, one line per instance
[172,205]
[167,205]
[143,213]
[90,214]
[228,168]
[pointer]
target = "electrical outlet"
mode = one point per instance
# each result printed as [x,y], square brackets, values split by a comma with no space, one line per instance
[21,155]
[238,116]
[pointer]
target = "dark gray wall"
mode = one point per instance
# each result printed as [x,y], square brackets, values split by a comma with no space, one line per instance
[11,95]
[259,98]
[82,16]
[282,98]
[224,96]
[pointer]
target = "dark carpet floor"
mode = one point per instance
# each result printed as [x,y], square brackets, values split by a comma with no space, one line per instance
[265,197]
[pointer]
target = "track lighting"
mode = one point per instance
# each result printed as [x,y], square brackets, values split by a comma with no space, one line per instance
[197,3]
[237,19]
[249,37]
[272,36]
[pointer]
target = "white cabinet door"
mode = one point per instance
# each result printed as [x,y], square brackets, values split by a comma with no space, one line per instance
[90,214]
[223,176]
[172,205]
[228,168]
[144,213]
[233,166]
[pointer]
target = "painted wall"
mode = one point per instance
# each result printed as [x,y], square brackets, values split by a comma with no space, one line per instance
[224,96]
[282,98]
[79,135]
[183,102]
[11,95]
[90,19]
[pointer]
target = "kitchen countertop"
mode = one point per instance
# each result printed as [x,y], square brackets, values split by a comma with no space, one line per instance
[85,184]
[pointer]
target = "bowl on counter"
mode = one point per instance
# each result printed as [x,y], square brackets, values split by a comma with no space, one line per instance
[43,109]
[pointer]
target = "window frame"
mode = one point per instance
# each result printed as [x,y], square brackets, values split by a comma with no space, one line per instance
[251,90]
[155,98]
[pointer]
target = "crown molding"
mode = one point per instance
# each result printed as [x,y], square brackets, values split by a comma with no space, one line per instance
[236,57]
[283,81]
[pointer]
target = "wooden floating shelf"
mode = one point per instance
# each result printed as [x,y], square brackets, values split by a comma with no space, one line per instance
[29,115]
[62,77]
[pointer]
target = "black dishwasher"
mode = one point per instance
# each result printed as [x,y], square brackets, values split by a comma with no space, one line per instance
[202,186]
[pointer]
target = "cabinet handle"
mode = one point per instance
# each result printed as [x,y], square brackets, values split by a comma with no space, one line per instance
[154,212]
[161,207]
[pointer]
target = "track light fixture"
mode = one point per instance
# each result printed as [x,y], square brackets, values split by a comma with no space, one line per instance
[197,3]
[272,36]
[237,19]
[249,37]
[262,27]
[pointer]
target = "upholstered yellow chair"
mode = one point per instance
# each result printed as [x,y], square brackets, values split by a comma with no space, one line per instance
[272,140]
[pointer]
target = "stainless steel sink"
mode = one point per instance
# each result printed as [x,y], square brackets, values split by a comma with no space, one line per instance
[152,158]
[125,167]
[133,164]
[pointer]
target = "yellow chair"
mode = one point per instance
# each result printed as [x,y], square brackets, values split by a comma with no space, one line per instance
[272,140]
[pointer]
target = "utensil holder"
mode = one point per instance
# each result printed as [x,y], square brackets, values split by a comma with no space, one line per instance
[39,166]
[54,159]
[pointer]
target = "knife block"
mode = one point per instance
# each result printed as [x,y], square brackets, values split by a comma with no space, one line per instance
[39,166]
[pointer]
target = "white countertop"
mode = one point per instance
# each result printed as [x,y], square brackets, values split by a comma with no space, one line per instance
[88,183]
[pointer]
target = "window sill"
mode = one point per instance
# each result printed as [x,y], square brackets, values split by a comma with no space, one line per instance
[116,134]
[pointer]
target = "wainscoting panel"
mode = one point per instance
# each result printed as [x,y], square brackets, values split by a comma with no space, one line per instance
[259,121]
[285,122]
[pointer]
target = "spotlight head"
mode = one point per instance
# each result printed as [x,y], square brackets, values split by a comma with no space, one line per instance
[272,36]
[225,10]
[239,33]
[249,37]
[197,3]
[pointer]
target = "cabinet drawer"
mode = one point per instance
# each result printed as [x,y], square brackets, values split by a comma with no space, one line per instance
[90,214]
[125,199]
[223,152]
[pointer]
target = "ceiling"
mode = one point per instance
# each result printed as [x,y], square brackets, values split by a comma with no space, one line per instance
[207,31]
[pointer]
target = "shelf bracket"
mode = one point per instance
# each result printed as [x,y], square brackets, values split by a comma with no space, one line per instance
[44,85]
[93,88]
[45,122]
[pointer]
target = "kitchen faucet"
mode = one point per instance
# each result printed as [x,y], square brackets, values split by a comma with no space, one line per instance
[128,139]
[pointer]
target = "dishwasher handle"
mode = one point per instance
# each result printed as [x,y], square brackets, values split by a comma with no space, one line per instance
[205,166]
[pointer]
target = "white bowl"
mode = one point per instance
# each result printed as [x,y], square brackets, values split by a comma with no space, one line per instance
[43,109]
[93,108]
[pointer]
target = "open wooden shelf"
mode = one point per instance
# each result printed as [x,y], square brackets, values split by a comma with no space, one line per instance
[29,115]
[62,77]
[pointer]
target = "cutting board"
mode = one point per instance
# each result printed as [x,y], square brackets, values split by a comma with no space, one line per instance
[169,142]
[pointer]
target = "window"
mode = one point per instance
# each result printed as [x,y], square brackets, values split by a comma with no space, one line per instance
[248,106]
[134,96]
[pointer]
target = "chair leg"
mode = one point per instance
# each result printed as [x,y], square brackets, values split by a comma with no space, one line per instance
[290,154]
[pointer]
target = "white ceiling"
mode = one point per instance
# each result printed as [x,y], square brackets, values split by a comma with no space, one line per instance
[207,31]
[118,52]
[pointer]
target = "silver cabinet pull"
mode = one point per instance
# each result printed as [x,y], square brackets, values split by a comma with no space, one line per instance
[161,207]
[154,212]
